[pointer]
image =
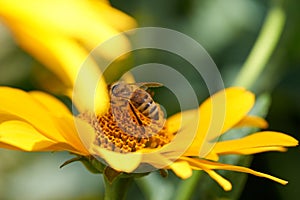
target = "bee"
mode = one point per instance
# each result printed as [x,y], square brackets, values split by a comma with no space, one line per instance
[134,108]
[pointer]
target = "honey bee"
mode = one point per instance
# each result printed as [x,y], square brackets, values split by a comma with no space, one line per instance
[134,108]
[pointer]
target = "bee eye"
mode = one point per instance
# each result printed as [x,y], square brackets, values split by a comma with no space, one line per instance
[119,90]
[114,88]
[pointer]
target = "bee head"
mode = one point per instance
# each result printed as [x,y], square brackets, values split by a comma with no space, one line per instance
[120,89]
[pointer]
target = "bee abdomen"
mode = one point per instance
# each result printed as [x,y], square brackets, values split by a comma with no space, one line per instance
[148,109]
[154,112]
[146,106]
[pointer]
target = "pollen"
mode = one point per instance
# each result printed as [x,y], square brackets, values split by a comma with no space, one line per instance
[123,132]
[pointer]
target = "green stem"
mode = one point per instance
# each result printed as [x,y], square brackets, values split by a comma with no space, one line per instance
[117,189]
[263,47]
[187,187]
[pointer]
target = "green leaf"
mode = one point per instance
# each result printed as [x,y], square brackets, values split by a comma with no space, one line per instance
[111,174]
[92,164]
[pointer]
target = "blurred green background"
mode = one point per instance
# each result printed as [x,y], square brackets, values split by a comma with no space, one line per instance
[227,30]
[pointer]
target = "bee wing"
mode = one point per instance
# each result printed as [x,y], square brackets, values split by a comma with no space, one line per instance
[146,85]
[135,111]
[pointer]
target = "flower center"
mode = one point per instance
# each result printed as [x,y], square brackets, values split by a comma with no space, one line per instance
[111,136]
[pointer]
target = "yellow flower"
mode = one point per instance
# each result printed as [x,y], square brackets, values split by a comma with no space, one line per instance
[35,121]
[61,33]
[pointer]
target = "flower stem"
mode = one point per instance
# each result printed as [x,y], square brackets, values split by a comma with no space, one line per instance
[186,188]
[117,189]
[263,47]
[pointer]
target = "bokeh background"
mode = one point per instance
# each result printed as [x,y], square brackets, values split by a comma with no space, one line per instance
[227,30]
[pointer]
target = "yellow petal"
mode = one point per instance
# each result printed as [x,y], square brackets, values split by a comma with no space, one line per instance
[85,132]
[57,39]
[20,105]
[211,156]
[173,123]
[158,158]
[205,164]
[7,146]
[181,121]
[237,102]
[90,92]
[218,114]
[252,121]
[256,140]
[184,132]
[92,20]
[23,136]
[65,58]
[31,108]
[53,105]
[225,184]
[120,162]
[114,17]
[248,151]
[68,129]
[182,169]
[62,55]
